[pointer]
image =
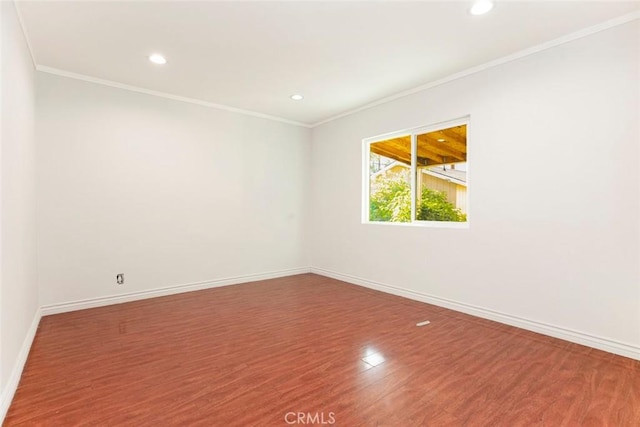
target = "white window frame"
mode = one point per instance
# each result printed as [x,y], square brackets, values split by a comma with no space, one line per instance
[413,132]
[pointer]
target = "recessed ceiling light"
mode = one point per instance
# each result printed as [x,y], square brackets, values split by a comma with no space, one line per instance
[297,97]
[441,140]
[156,58]
[480,7]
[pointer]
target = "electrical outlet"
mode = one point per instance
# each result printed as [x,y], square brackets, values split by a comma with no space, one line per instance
[120,279]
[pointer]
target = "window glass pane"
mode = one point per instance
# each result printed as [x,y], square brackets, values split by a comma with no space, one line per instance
[389,180]
[441,179]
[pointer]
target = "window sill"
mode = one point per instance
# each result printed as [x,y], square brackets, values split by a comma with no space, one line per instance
[421,224]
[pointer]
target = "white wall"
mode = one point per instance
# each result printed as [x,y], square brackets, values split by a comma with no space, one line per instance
[554,192]
[18,287]
[166,192]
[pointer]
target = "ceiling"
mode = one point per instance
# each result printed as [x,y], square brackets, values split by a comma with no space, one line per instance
[254,55]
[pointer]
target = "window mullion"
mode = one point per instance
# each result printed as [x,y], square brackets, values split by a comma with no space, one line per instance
[413,178]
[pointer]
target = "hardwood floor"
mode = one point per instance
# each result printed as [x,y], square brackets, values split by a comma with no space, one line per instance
[260,353]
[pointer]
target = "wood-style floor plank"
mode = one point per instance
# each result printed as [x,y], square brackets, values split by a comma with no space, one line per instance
[247,355]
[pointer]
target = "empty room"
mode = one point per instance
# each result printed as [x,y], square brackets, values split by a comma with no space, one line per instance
[351,213]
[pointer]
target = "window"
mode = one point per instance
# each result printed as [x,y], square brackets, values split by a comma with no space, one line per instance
[417,176]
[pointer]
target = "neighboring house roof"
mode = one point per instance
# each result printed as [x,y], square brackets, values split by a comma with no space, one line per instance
[388,168]
[452,175]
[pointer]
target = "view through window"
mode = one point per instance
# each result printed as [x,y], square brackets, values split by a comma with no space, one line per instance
[420,176]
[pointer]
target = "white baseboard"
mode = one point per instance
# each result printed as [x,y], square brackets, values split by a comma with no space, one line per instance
[611,346]
[169,290]
[14,379]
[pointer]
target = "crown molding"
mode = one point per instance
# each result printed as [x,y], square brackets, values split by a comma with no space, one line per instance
[131,88]
[621,20]
[24,34]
